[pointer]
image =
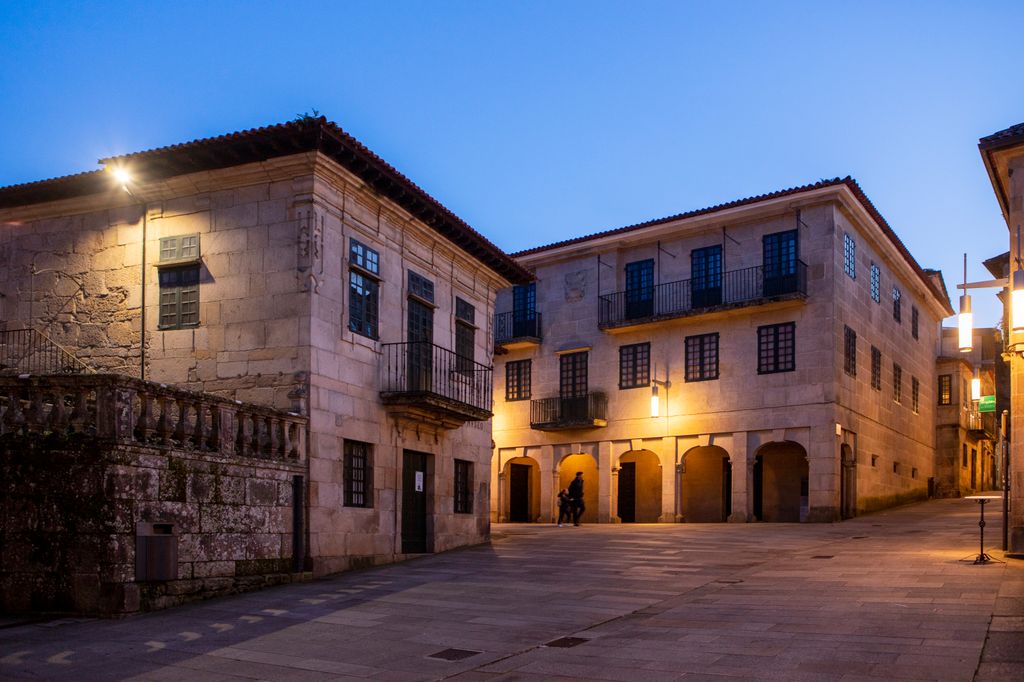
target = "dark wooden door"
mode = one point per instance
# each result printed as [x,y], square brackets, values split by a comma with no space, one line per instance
[974,469]
[524,310]
[759,488]
[639,289]
[779,257]
[726,488]
[519,493]
[419,356]
[572,387]
[706,276]
[414,502]
[627,492]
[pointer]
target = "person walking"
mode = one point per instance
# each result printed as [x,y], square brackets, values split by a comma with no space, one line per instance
[564,506]
[576,495]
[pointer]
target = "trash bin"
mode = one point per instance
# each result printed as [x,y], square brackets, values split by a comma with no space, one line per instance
[156,552]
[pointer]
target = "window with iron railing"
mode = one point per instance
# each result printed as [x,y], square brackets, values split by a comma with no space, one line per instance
[876,369]
[358,474]
[463,487]
[850,352]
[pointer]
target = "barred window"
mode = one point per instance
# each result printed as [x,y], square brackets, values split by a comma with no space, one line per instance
[897,383]
[915,394]
[945,389]
[850,352]
[179,297]
[896,304]
[913,321]
[849,256]
[463,487]
[876,369]
[876,281]
[635,365]
[358,474]
[517,380]
[776,348]
[701,357]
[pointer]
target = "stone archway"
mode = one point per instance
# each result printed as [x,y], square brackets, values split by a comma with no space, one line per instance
[781,482]
[521,502]
[639,487]
[706,485]
[567,469]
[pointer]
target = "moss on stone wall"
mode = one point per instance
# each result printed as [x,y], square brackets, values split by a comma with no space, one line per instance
[877,503]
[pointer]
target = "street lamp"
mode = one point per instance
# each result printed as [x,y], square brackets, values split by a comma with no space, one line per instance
[655,403]
[1017,292]
[966,318]
[976,385]
[124,178]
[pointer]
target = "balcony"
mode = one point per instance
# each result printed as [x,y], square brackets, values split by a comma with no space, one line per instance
[735,289]
[517,329]
[981,425]
[557,414]
[423,382]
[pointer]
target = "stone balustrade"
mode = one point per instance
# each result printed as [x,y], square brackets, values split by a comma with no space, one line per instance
[124,410]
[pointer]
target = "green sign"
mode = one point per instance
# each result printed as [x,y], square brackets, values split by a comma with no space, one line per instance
[987,403]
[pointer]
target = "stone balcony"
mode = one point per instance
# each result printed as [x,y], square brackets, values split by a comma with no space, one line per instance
[561,414]
[517,329]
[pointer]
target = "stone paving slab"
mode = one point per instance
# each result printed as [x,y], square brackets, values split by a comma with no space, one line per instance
[881,597]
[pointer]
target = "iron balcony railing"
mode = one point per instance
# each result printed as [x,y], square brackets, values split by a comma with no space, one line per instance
[982,422]
[679,298]
[419,369]
[515,325]
[28,351]
[563,413]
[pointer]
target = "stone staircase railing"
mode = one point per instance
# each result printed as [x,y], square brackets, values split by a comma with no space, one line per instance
[127,411]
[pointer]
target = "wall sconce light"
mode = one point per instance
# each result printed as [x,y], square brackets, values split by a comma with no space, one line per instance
[655,402]
[1017,292]
[976,386]
[966,318]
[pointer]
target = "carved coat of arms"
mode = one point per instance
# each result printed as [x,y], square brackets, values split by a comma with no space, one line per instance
[575,286]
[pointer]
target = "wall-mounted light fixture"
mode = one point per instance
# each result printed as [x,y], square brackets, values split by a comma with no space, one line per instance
[655,402]
[965,321]
[976,385]
[1017,292]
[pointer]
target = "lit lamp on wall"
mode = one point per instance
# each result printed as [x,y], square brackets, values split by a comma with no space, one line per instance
[1017,292]
[655,402]
[976,385]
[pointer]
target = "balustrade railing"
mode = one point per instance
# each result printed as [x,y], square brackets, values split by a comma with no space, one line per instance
[128,411]
[561,412]
[981,421]
[517,324]
[29,351]
[678,298]
[418,368]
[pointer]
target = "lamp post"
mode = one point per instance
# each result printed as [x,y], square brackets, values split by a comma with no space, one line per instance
[124,178]
[965,320]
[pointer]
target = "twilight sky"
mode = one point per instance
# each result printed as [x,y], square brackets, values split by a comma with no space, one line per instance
[537,121]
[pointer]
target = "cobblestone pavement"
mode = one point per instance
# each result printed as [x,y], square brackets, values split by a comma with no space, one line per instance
[884,596]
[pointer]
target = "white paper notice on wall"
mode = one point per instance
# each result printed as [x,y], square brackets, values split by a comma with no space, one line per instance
[419,481]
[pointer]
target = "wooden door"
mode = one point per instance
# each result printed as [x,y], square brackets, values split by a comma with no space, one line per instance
[415,488]
[627,492]
[519,493]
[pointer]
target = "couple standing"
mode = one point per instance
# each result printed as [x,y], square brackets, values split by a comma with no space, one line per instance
[570,501]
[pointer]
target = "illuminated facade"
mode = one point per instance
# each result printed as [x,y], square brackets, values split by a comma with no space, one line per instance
[790,340]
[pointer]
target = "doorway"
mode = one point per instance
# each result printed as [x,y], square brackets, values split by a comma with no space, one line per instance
[415,493]
[848,483]
[519,493]
[627,492]
[420,335]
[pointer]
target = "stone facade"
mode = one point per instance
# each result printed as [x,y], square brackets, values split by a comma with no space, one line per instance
[122,495]
[817,443]
[276,212]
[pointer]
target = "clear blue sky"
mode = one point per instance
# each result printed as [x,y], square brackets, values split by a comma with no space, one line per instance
[539,121]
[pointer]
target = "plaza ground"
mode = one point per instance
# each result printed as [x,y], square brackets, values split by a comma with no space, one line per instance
[884,596]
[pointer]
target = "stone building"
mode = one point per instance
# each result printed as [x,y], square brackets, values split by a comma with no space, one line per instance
[770,358]
[1003,156]
[966,456]
[287,267]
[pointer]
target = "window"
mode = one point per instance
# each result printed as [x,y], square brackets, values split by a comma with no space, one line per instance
[463,487]
[572,375]
[915,394]
[421,287]
[945,389]
[517,380]
[640,289]
[363,289]
[706,276]
[876,369]
[876,281]
[913,321]
[896,304]
[465,335]
[179,297]
[897,383]
[635,365]
[776,348]
[964,462]
[702,357]
[779,258]
[850,352]
[358,474]
[183,248]
[849,256]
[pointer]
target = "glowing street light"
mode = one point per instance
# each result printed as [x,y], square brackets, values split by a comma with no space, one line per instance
[655,408]
[1017,292]
[976,386]
[966,318]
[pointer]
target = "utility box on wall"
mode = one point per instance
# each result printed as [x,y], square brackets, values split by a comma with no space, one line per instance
[156,552]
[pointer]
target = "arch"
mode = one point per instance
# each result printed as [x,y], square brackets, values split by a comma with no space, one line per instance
[639,487]
[567,469]
[706,484]
[521,501]
[847,482]
[781,482]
